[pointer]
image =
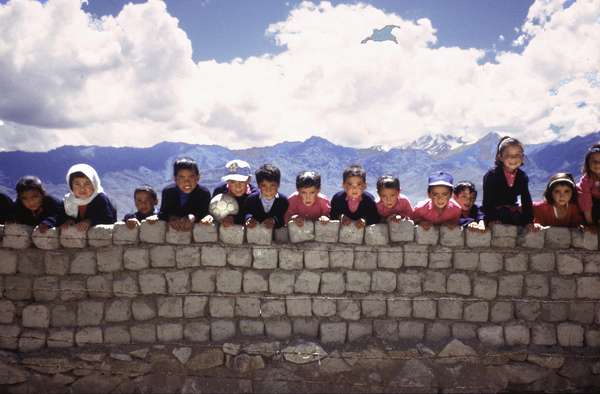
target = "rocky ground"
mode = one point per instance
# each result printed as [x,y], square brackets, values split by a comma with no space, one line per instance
[300,367]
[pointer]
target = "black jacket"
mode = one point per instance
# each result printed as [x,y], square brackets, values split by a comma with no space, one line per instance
[497,194]
[197,203]
[99,211]
[240,216]
[253,208]
[7,209]
[138,215]
[52,212]
[367,209]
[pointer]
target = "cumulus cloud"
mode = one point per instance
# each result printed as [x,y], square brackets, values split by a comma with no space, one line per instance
[69,78]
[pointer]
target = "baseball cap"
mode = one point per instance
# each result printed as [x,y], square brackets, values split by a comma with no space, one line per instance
[237,170]
[441,178]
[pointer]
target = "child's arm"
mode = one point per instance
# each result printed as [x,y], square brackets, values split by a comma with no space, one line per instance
[489,201]
[279,209]
[371,215]
[526,202]
[167,203]
[337,203]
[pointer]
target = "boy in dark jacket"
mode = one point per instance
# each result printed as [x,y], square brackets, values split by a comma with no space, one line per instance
[237,184]
[145,202]
[354,203]
[266,206]
[7,209]
[34,207]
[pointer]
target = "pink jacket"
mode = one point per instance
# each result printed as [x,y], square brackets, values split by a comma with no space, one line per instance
[402,208]
[321,207]
[587,189]
[425,211]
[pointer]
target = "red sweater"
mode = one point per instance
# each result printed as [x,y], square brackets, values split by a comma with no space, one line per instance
[543,213]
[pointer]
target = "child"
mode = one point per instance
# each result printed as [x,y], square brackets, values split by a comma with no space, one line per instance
[266,206]
[588,188]
[7,209]
[354,203]
[439,208]
[34,207]
[86,204]
[237,184]
[471,216]
[504,184]
[392,206]
[185,202]
[307,203]
[145,202]
[560,206]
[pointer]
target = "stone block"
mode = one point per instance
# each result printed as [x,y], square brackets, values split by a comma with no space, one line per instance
[341,258]
[332,283]
[437,331]
[377,234]
[255,282]
[358,330]
[536,285]
[187,257]
[70,237]
[152,283]
[36,316]
[31,262]
[100,235]
[390,258]
[9,262]
[386,329]
[434,282]
[453,237]
[153,232]
[402,231]
[205,233]
[502,311]
[592,263]
[348,309]
[90,313]
[458,283]
[412,330]
[178,282]
[9,335]
[504,242]
[259,235]
[415,255]
[477,312]
[588,287]
[424,308]
[292,259]
[504,230]
[409,283]
[56,263]
[532,239]
[247,306]
[100,286]
[490,262]
[528,310]
[197,331]
[467,261]
[303,233]
[307,327]
[272,308]
[169,332]
[333,332]
[486,288]
[239,257]
[316,259]
[562,288]
[322,307]
[427,237]
[464,331]
[194,306]
[17,288]
[449,309]
[60,338]
[64,316]
[170,307]
[264,258]
[118,310]
[221,306]
[543,334]
[118,335]
[399,307]
[7,312]
[350,234]
[584,239]
[365,258]
[570,334]
[491,335]
[581,312]
[298,306]
[476,239]
[83,263]
[551,312]
[517,335]
[307,282]
[440,258]
[136,259]
[213,256]
[110,259]
[233,235]
[281,235]
[48,240]
[327,232]
[162,256]
[510,285]
[45,288]
[229,281]
[358,282]
[592,338]
[569,264]
[372,306]
[252,327]
[123,235]
[177,237]
[278,329]
[17,236]
[558,237]
[88,336]
[281,282]
[515,263]
[383,281]
[143,333]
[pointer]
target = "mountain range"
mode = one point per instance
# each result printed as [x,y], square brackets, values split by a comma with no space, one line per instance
[122,169]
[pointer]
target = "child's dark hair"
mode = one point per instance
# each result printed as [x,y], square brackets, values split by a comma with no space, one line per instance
[268,172]
[76,174]
[388,182]
[465,185]
[354,170]
[308,179]
[185,163]
[145,189]
[28,183]
[504,143]
[586,170]
[560,178]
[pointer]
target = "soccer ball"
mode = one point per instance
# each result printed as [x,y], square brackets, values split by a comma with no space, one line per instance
[223,205]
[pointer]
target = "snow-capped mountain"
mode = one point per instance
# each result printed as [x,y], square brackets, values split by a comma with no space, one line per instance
[436,144]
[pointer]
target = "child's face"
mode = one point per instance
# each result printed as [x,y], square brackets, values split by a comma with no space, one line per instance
[186,180]
[144,202]
[268,189]
[31,199]
[466,199]
[512,157]
[237,188]
[562,195]
[308,195]
[389,196]
[82,187]
[440,195]
[354,186]
[594,163]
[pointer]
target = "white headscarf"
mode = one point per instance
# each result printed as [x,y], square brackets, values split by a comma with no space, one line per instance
[72,203]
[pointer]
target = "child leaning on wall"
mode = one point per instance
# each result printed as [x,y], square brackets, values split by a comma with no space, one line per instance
[34,207]
[237,184]
[440,207]
[307,203]
[267,206]
[145,200]
[354,203]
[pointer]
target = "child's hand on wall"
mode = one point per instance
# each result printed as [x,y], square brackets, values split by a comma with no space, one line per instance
[208,219]
[345,220]
[251,223]
[534,227]
[426,225]
[360,223]
[394,218]
[43,227]
[298,220]
[269,222]
[152,219]
[324,219]
[227,221]
[132,223]
[83,226]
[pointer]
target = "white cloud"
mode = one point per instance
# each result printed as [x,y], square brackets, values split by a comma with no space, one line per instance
[130,79]
[501,37]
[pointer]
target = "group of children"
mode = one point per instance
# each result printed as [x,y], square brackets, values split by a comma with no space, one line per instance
[506,198]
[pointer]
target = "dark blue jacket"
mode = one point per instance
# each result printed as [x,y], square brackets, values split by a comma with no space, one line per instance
[253,208]
[197,203]
[52,212]
[239,218]
[7,209]
[138,215]
[497,196]
[475,215]
[367,209]
[99,211]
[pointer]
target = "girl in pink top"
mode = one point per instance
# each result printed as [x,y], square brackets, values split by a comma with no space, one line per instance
[392,206]
[588,188]
[307,203]
[560,205]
